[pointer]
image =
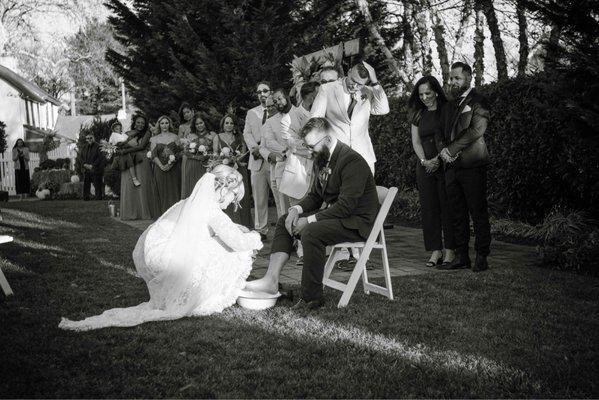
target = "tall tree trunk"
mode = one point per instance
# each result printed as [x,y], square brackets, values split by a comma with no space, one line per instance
[479,48]
[460,33]
[439,32]
[500,58]
[553,46]
[522,37]
[73,105]
[413,43]
[408,43]
[375,34]
[424,43]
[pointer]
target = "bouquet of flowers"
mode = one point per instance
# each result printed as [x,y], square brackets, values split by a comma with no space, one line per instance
[227,156]
[107,149]
[198,149]
[167,154]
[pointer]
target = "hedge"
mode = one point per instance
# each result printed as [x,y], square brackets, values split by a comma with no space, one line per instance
[543,153]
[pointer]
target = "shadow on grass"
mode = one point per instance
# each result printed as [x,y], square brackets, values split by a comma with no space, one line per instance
[446,335]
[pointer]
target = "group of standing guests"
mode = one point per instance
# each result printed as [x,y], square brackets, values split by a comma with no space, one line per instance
[272,132]
[448,138]
[155,170]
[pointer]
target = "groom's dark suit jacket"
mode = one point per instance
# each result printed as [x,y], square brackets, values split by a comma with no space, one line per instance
[349,192]
[463,130]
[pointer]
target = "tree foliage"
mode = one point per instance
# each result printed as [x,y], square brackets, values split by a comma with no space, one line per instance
[212,54]
[95,82]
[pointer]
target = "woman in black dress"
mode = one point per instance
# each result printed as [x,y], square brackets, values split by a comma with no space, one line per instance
[426,105]
[20,156]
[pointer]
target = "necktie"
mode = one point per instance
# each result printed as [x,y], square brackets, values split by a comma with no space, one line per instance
[352,104]
[264,116]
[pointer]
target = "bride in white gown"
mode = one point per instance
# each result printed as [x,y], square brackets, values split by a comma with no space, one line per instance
[194,259]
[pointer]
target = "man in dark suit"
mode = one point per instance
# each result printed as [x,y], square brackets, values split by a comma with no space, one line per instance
[90,163]
[466,157]
[340,207]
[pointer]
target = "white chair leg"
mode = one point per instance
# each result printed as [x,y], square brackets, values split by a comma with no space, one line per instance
[4,284]
[386,270]
[359,269]
[336,255]
[352,282]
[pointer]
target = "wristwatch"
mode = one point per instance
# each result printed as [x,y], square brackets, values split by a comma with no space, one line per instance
[375,83]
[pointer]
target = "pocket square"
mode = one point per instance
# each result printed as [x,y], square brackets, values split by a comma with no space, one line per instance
[466,109]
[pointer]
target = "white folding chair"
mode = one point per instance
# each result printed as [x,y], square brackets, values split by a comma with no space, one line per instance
[362,250]
[3,282]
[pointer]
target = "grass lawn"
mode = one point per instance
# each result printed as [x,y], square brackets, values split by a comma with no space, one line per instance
[510,332]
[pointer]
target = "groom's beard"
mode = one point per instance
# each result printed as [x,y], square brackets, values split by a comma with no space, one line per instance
[322,158]
[456,91]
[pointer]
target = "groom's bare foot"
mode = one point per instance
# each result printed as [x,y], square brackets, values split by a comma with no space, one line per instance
[265,284]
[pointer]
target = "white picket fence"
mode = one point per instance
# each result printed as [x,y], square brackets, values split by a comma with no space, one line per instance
[7,166]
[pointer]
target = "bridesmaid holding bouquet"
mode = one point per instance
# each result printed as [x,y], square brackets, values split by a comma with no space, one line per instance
[197,146]
[164,153]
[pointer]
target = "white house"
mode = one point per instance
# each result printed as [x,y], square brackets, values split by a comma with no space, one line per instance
[29,113]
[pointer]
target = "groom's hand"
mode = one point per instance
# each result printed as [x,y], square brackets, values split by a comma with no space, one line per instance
[299,226]
[291,220]
[448,158]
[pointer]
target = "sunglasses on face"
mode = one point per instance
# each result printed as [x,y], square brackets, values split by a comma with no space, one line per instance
[311,146]
[263,91]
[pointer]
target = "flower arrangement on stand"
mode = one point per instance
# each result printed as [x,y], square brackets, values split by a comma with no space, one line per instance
[307,68]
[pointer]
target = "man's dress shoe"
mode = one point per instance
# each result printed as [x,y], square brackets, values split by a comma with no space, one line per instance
[457,263]
[480,264]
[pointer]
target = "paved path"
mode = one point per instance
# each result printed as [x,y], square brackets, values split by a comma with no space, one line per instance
[406,255]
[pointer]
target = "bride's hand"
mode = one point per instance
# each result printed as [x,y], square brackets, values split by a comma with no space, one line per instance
[243,229]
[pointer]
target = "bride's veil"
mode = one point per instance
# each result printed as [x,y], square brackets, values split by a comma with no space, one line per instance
[164,257]
[180,230]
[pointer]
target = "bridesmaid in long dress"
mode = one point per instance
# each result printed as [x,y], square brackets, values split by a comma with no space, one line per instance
[167,173]
[194,165]
[185,117]
[229,138]
[138,202]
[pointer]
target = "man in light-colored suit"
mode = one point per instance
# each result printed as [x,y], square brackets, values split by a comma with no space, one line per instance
[273,148]
[347,105]
[260,171]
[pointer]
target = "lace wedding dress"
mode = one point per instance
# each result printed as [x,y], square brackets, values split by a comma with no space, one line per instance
[194,260]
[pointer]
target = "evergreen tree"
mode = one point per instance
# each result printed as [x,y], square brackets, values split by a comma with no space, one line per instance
[211,54]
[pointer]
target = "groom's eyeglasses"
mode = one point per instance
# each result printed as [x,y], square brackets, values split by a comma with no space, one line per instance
[263,91]
[311,146]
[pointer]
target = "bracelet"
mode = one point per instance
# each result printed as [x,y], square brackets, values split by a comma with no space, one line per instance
[375,84]
[422,161]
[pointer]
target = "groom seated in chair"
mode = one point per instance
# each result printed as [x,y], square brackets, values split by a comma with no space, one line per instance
[341,207]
